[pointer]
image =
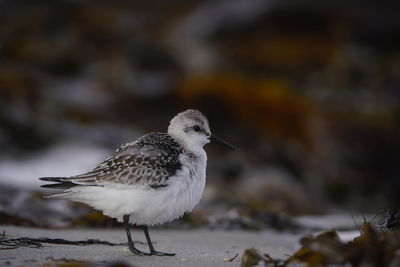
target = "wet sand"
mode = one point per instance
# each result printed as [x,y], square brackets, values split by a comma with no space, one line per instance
[192,247]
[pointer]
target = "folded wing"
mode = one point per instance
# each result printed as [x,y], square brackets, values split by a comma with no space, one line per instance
[150,161]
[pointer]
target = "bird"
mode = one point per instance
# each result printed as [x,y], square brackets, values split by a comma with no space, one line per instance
[150,181]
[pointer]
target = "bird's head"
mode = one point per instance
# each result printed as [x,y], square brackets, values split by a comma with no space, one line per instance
[191,129]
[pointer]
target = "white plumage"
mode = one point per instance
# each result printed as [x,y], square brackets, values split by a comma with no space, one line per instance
[147,206]
[153,180]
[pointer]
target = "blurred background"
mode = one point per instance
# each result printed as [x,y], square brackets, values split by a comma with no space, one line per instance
[308,92]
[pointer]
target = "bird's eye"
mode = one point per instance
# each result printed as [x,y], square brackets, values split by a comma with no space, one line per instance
[196,128]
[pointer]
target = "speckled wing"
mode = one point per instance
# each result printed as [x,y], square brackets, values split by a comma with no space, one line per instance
[151,160]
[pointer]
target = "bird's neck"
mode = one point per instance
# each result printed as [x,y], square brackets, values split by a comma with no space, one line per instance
[191,147]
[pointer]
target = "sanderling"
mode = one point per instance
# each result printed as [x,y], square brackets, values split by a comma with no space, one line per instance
[153,180]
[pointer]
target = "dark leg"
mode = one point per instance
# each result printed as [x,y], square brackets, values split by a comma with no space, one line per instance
[130,242]
[152,250]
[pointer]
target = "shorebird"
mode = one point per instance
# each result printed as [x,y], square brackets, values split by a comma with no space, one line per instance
[153,180]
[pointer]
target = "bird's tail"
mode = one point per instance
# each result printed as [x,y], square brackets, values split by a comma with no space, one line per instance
[57,182]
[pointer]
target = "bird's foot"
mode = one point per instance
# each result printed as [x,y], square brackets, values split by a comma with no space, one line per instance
[137,252]
[158,253]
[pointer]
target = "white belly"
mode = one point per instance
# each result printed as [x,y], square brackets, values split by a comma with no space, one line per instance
[148,206]
[181,195]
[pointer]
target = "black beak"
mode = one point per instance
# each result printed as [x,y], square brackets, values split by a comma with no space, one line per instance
[216,140]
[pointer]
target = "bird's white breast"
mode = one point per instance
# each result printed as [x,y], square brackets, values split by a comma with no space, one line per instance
[190,180]
[146,205]
[181,195]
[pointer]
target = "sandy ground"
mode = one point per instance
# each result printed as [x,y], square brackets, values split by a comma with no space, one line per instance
[193,247]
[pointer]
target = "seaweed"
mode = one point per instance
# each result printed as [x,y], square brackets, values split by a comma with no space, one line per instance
[391,220]
[375,246]
[13,243]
